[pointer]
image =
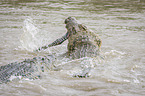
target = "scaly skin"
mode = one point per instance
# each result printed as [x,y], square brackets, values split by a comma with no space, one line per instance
[26,68]
[81,41]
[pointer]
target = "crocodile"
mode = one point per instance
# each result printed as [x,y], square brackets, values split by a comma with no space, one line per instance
[81,43]
[29,68]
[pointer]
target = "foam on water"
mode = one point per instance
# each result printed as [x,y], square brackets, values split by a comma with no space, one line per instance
[115,54]
[113,70]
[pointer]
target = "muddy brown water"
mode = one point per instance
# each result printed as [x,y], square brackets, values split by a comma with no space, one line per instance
[28,24]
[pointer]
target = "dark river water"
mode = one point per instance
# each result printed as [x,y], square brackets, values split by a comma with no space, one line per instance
[26,25]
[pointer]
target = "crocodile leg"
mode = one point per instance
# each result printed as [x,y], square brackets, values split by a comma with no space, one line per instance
[56,42]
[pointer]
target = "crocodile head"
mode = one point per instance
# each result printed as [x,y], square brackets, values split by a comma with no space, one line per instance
[71,25]
[70,20]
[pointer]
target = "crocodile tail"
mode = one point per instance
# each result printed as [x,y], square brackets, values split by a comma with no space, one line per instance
[15,69]
[28,68]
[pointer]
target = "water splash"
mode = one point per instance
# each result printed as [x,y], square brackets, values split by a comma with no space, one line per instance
[30,39]
[77,67]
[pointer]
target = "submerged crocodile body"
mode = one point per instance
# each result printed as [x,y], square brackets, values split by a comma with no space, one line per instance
[26,68]
[81,43]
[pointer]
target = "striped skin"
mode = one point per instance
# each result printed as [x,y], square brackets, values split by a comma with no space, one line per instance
[29,68]
[56,42]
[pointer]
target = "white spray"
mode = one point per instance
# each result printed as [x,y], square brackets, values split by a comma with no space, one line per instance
[30,39]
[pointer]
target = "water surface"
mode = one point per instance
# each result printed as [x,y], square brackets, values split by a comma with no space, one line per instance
[28,24]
